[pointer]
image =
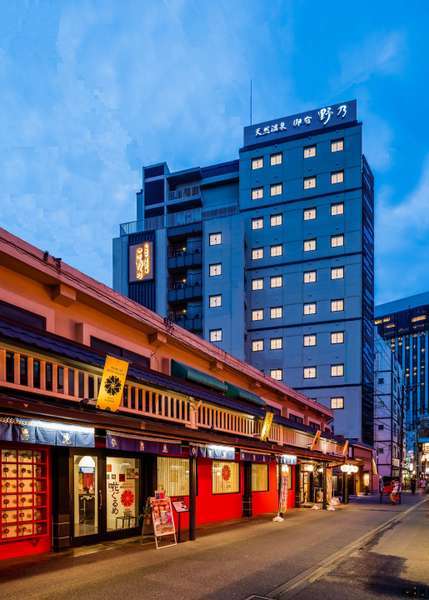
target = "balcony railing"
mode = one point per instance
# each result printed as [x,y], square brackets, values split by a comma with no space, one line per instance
[22,370]
[184,292]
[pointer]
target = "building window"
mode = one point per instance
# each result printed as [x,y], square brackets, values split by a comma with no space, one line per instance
[337,272]
[276,281]
[337,402]
[257,345]
[337,305]
[276,312]
[257,193]
[257,314]
[215,269]
[310,372]
[257,163]
[337,209]
[257,253]
[337,337]
[276,250]
[173,475]
[215,239]
[258,284]
[337,145]
[225,477]
[337,370]
[276,220]
[310,308]
[276,343]
[259,478]
[276,374]
[276,189]
[215,301]
[309,151]
[215,335]
[337,241]
[310,276]
[258,223]
[309,245]
[309,183]
[310,214]
[276,159]
[310,339]
[337,177]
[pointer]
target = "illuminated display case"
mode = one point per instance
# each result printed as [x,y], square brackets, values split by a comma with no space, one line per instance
[24,494]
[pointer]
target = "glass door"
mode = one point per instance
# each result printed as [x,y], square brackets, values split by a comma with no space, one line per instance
[87,496]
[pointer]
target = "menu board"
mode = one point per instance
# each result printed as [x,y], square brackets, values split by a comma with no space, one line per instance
[162,519]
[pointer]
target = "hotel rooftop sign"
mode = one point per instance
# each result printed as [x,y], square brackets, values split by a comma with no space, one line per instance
[309,121]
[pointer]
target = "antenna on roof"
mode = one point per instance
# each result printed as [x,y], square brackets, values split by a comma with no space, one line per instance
[251,102]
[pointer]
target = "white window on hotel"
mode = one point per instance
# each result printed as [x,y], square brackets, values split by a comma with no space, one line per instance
[215,269]
[276,189]
[337,337]
[309,151]
[276,281]
[215,239]
[257,193]
[257,163]
[337,273]
[337,402]
[310,372]
[173,475]
[276,374]
[337,305]
[276,220]
[310,308]
[215,335]
[337,370]
[276,343]
[215,301]
[257,253]
[257,345]
[337,145]
[257,314]
[337,241]
[276,159]
[309,245]
[310,339]
[310,276]
[259,478]
[276,250]
[276,312]
[337,177]
[258,223]
[309,183]
[225,477]
[310,214]
[337,209]
[258,284]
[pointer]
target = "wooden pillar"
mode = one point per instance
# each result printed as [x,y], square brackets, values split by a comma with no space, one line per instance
[325,489]
[61,494]
[247,492]
[297,484]
[192,496]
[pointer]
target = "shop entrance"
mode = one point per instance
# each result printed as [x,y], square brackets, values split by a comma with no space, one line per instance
[305,487]
[105,495]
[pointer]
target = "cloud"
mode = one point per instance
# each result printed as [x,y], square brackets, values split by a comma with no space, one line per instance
[402,240]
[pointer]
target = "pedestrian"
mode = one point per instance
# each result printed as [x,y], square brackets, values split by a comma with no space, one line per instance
[413,484]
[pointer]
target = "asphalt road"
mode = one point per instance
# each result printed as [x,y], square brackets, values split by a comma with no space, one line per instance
[257,558]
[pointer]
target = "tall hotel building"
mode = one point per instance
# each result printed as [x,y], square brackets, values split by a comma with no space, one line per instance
[269,256]
[405,324]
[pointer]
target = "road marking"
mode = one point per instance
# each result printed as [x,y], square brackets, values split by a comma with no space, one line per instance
[295,585]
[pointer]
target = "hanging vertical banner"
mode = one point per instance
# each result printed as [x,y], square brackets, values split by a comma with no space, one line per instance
[266,426]
[112,384]
[284,487]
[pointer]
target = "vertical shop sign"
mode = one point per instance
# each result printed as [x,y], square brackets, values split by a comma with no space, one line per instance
[266,426]
[112,384]
[284,487]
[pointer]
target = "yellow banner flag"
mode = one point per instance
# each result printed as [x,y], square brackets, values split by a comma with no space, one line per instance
[112,384]
[266,425]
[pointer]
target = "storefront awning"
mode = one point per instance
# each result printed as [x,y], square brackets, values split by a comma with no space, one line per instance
[185,372]
[237,392]
[50,433]
[255,457]
[130,443]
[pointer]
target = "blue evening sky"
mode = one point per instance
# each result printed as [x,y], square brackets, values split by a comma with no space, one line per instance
[91,90]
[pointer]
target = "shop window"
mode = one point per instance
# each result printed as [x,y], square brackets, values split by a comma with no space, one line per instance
[85,500]
[173,475]
[107,348]
[48,376]
[21,316]
[10,370]
[259,478]
[36,373]
[225,477]
[122,492]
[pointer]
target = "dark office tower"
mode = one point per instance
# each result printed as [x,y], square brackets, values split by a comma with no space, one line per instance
[269,256]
